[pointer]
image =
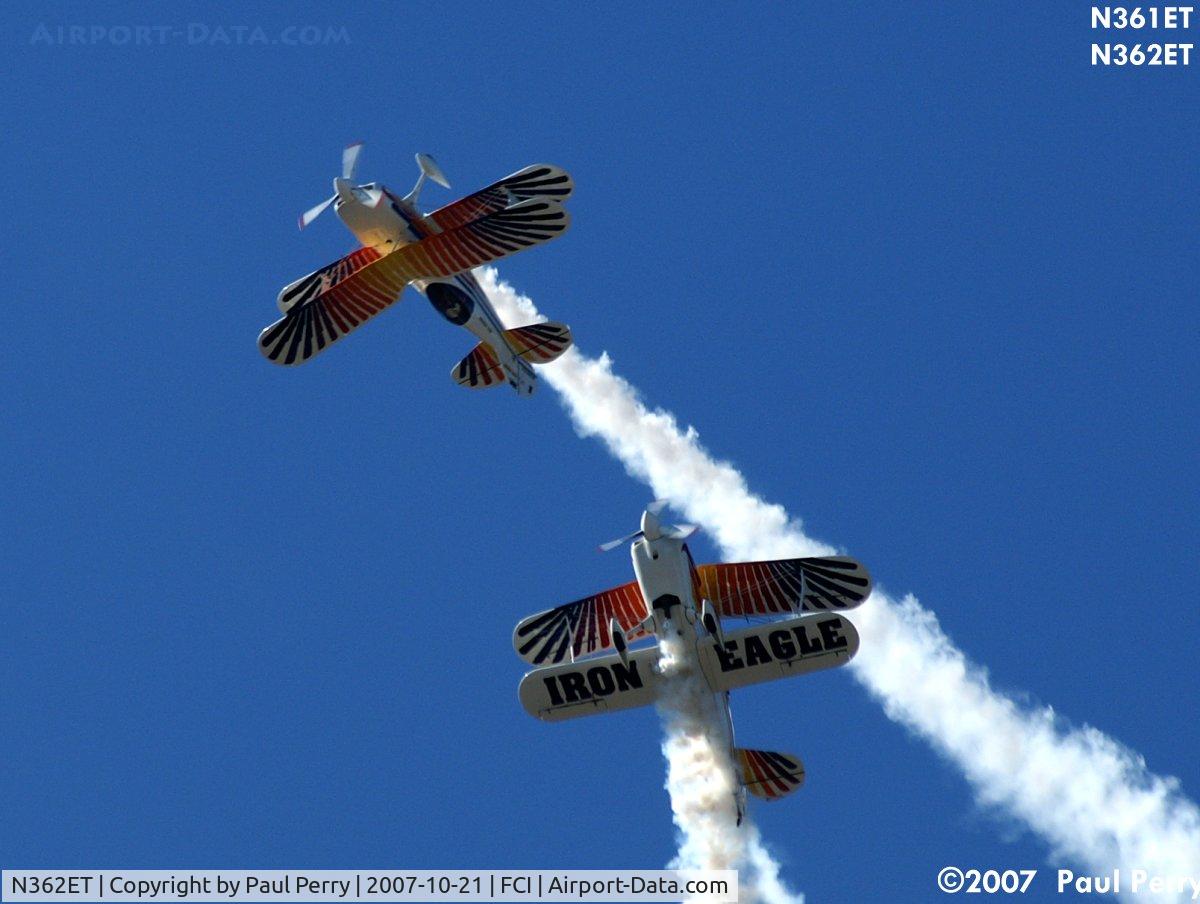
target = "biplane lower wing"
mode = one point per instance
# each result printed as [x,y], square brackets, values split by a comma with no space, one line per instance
[793,646]
[786,648]
[340,307]
[817,584]
[590,687]
[582,627]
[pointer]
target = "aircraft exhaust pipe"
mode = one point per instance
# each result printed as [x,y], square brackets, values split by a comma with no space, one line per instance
[620,644]
[712,624]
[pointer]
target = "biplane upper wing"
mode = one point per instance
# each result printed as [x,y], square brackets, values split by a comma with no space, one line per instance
[308,287]
[582,627]
[538,181]
[347,303]
[785,585]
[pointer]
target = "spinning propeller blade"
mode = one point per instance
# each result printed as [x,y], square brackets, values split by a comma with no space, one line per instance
[349,165]
[309,215]
[680,531]
[350,160]
[613,544]
[651,528]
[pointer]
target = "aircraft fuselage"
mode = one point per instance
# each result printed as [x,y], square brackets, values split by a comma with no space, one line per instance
[667,578]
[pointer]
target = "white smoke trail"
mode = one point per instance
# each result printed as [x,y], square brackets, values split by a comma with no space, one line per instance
[702,782]
[701,777]
[1091,799]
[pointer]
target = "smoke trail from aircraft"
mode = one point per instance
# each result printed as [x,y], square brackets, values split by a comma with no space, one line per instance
[701,780]
[1092,799]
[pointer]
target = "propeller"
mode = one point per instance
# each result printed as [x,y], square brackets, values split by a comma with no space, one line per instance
[653,529]
[349,166]
[656,507]
[350,160]
[312,213]
[613,544]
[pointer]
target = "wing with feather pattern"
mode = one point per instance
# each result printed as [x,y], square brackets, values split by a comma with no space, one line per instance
[538,181]
[785,585]
[582,627]
[326,316]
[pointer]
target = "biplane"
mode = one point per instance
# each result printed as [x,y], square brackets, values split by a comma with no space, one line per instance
[799,604]
[435,253]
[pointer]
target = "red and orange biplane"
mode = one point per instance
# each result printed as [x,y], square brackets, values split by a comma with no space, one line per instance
[434,252]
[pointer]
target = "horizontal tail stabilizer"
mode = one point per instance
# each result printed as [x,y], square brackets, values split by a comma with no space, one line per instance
[539,343]
[479,370]
[769,775]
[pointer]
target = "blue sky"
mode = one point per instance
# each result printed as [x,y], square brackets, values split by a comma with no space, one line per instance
[925,275]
